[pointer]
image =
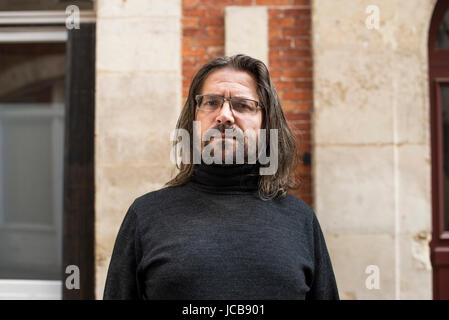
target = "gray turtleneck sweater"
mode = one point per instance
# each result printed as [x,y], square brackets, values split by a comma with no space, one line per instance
[213,238]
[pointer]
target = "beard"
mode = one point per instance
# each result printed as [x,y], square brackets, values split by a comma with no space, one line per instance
[229,145]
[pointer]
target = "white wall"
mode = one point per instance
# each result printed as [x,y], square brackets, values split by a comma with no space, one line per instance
[138,100]
[371,144]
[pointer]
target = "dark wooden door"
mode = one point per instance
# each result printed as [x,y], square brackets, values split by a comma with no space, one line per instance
[78,220]
[439,99]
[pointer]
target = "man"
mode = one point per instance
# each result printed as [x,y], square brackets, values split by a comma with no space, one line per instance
[225,230]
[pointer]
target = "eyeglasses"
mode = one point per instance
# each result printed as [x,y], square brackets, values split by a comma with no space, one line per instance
[211,103]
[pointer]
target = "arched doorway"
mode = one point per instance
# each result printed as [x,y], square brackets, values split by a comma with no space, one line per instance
[438,47]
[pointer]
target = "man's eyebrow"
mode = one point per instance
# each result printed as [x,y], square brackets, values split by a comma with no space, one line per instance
[236,96]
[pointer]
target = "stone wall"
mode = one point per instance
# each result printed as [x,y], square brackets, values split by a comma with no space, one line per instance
[138,100]
[371,144]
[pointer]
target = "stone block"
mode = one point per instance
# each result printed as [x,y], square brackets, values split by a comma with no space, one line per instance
[246,31]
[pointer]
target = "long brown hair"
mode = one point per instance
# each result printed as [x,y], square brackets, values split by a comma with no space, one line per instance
[285,178]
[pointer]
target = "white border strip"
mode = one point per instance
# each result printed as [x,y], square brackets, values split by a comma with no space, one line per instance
[30,290]
[33,34]
[42,17]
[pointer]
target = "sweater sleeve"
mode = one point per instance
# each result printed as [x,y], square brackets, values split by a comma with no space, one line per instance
[324,286]
[122,278]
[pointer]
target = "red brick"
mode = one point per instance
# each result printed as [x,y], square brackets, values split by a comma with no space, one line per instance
[306,116]
[190,22]
[301,2]
[194,32]
[193,12]
[275,33]
[186,83]
[189,61]
[305,147]
[280,43]
[304,84]
[275,13]
[293,73]
[299,106]
[275,73]
[273,2]
[306,188]
[295,32]
[189,3]
[281,22]
[302,23]
[189,52]
[305,136]
[214,3]
[243,2]
[301,73]
[296,53]
[297,95]
[285,85]
[215,51]
[215,12]
[300,125]
[189,42]
[216,41]
[189,72]
[302,170]
[274,53]
[214,21]
[302,42]
[215,31]
[292,64]
[297,12]
[294,84]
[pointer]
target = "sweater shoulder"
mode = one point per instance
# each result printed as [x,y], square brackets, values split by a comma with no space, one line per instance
[161,197]
[298,205]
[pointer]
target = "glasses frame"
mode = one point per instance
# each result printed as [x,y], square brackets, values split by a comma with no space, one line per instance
[224,99]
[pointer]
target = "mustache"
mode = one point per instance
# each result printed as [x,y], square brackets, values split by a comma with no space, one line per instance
[223,127]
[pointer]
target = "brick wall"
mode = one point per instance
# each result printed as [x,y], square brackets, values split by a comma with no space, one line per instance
[290,59]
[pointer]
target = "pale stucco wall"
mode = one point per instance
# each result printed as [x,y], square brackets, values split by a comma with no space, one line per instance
[138,100]
[371,144]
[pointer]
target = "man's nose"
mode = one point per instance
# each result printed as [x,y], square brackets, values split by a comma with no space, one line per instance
[225,114]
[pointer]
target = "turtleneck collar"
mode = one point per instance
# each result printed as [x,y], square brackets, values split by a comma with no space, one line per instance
[226,178]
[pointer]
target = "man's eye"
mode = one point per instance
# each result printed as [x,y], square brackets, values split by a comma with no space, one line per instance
[242,106]
[212,103]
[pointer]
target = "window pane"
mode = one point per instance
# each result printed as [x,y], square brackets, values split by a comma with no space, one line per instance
[445,119]
[27,164]
[443,33]
[20,5]
[32,90]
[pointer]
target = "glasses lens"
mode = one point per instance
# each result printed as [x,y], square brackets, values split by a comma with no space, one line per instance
[210,103]
[244,106]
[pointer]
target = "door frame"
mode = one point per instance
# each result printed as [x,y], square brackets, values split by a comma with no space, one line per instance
[438,74]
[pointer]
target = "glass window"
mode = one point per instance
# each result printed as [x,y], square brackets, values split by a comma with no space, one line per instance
[32,91]
[443,33]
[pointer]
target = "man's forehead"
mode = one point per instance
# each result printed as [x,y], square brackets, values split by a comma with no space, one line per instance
[224,80]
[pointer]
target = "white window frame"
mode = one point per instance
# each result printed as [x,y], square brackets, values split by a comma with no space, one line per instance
[14,28]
